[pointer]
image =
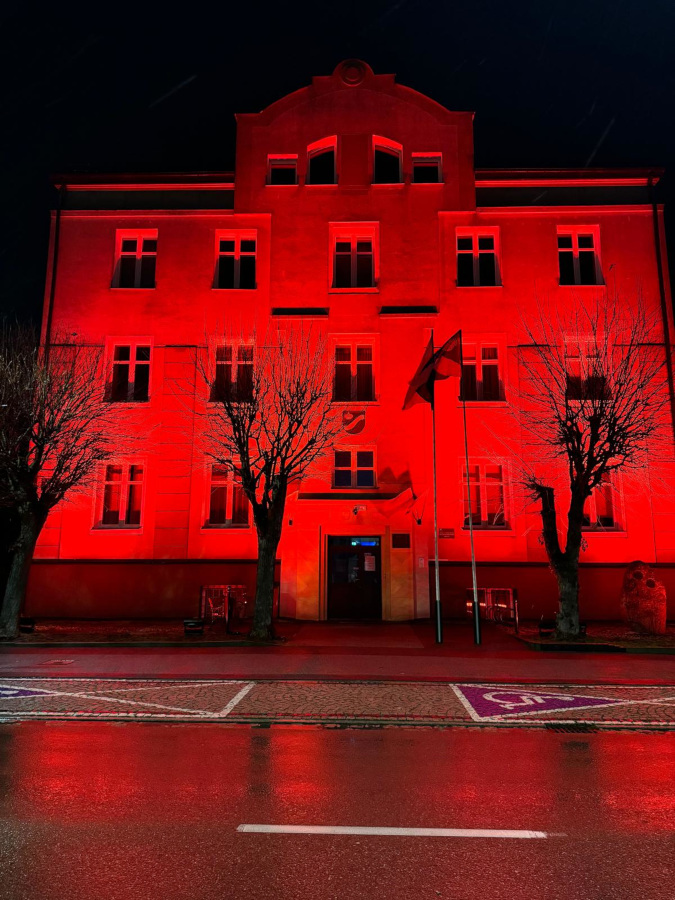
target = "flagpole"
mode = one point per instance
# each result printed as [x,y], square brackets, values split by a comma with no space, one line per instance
[439,619]
[476,607]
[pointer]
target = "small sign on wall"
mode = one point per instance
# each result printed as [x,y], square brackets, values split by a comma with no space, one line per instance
[421,562]
[368,562]
[446,533]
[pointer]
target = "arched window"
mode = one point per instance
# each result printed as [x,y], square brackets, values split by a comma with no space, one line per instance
[321,161]
[387,161]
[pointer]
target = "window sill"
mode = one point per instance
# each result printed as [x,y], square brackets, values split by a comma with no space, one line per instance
[353,290]
[474,287]
[118,287]
[233,289]
[604,532]
[328,184]
[136,529]
[209,527]
[600,284]
[387,184]
[128,404]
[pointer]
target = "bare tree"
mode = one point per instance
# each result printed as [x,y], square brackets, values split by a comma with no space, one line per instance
[269,427]
[594,399]
[54,431]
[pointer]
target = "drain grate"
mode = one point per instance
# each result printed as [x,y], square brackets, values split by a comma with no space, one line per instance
[572,728]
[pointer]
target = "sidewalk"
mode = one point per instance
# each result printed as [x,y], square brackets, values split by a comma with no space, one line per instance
[349,652]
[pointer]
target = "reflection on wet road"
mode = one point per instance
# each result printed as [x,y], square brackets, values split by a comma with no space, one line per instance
[97,810]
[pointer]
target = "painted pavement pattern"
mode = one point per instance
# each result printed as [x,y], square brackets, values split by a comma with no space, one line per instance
[397,703]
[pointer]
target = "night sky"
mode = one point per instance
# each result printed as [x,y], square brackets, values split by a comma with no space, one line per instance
[152,88]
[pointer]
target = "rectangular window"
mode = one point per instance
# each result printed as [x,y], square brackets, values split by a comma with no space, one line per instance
[353,256]
[601,510]
[228,504]
[235,262]
[136,258]
[426,168]
[477,258]
[233,376]
[354,469]
[130,378]
[321,166]
[480,373]
[578,255]
[282,169]
[122,496]
[354,378]
[484,485]
[586,377]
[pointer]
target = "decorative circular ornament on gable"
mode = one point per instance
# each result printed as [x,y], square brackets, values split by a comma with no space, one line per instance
[352,71]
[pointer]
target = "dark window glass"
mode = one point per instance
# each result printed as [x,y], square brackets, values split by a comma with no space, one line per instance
[573,390]
[321,169]
[364,265]
[227,246]
[141,382]
[148,271]
[365,388]
[487,269]
[426,173]
[247,272]
[566,261]
[245,375]
[226,272]
[143,354]
[239,506]
[129,245]
[119,388]
[486,242]
[490,383]
[343,459]
[149,245]
[343,478]
[400,541]
[465,269]
[364,459]
[127,272]
[465,243]
[343,268]
[283,174]
[469,382]
[585,241]
[587,274]
[386,167]
[365,478]
[565,241]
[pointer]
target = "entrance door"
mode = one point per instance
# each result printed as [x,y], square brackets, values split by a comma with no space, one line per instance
[354,578]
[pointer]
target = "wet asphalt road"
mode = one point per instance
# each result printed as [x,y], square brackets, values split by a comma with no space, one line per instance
[93,811]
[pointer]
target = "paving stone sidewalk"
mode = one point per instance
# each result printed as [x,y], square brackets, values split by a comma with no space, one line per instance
[339,703]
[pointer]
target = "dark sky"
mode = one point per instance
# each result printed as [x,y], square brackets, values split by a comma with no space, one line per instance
[149,87]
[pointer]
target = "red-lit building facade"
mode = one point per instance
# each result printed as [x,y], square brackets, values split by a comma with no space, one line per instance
[354,208]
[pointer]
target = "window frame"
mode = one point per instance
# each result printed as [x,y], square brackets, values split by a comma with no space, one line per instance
[353,232]
[140,235]
[236,360]
[281,161]
[482,343]
[354,344]
[575,232]
[317,148]
[354,468]
[476,233]
[392,148]
[126,483]
[612,480]
[483,525]
[426,160]
[237,236]
[133,343]
[576,347]
[231,485]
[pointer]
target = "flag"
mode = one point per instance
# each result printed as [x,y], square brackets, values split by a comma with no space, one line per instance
[446,361]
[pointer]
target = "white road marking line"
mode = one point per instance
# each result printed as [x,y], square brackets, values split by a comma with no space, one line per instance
[103,699]
[236,699]
[392,832]
[465,703]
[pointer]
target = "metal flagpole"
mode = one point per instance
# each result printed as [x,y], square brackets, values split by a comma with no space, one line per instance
[439,620]
[476,608]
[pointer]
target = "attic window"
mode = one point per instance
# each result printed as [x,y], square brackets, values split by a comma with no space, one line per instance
[426,168]
[282,170]
[387,156]
[321,162]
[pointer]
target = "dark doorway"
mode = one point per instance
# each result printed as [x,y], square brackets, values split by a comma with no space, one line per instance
[354,578]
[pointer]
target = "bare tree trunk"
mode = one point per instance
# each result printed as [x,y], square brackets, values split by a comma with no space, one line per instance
[17,582]
[567,620]
[262,629]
